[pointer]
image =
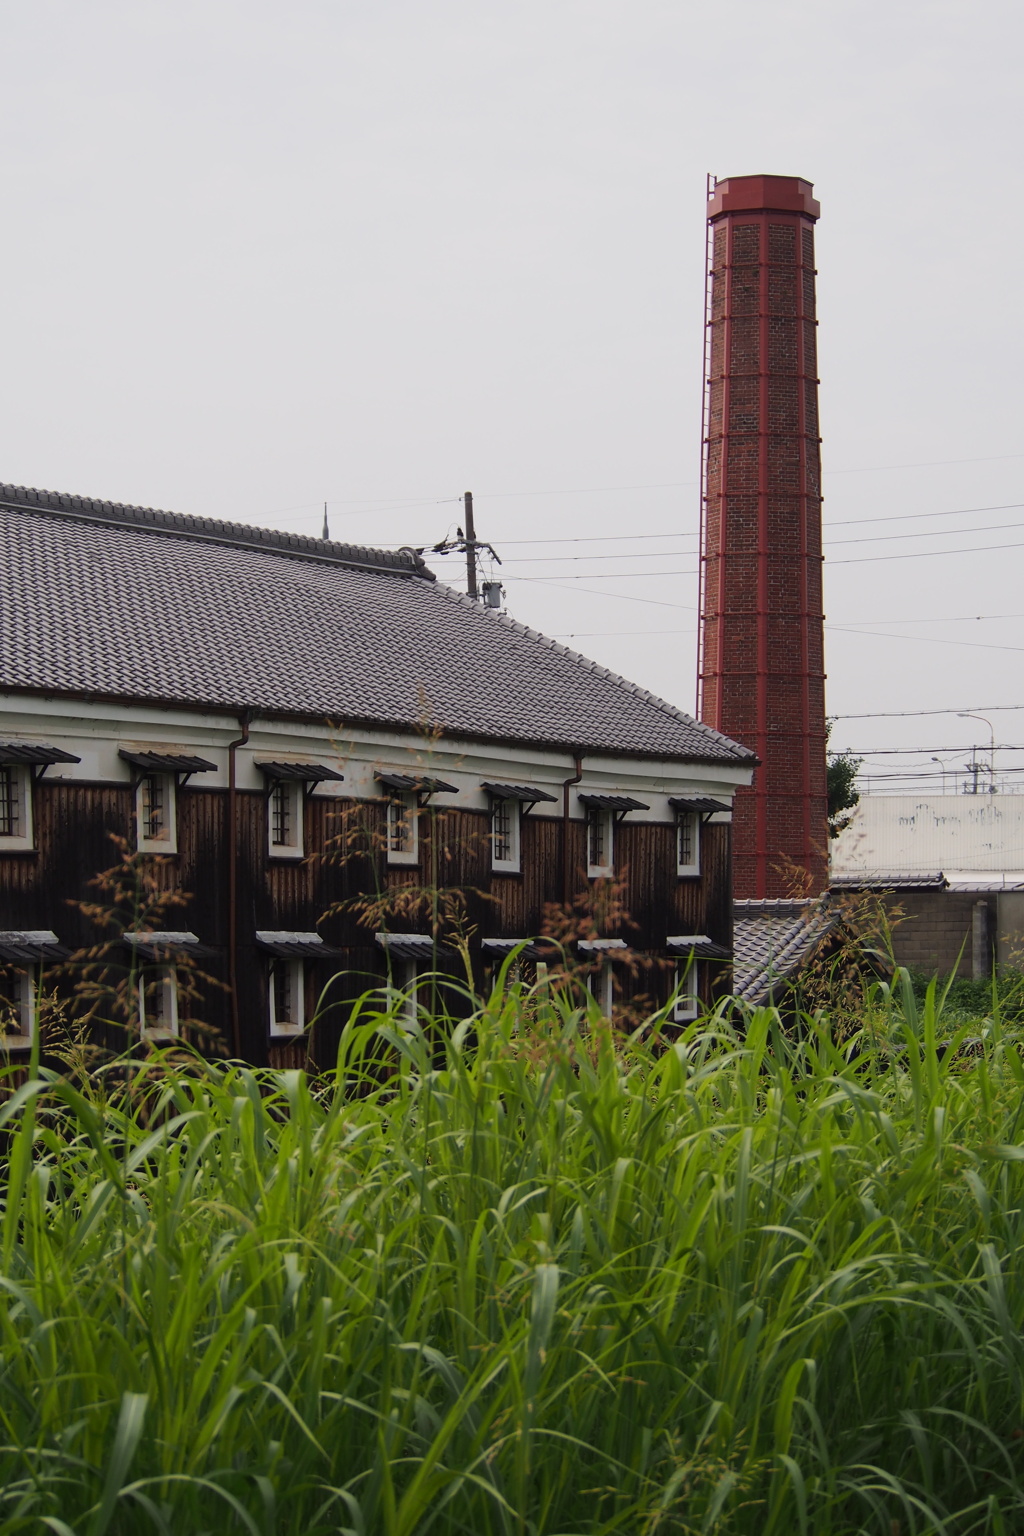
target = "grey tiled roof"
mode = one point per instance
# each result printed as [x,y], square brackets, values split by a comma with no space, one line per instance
[772,940]
[874,880]
[127,602]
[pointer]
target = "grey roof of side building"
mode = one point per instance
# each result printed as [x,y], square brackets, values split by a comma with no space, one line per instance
[773,939]
[128,602]
[875,880]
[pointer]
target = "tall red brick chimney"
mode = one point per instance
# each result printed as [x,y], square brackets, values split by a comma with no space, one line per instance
[761,675]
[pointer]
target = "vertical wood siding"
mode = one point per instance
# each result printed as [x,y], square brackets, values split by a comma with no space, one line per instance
[337,889]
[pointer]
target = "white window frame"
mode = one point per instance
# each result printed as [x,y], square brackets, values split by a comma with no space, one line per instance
[512,864]
[20,779]
[607,817]
[687,1005]
[168,841]
[24,1001]
[404,803]
[691,819]
[296,972]
[167,978]
[293,794]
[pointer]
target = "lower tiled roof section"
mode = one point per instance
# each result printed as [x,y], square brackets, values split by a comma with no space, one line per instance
[930,880]
[773,939]
[125,602]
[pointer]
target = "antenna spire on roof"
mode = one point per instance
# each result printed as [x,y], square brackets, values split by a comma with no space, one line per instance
[327,532]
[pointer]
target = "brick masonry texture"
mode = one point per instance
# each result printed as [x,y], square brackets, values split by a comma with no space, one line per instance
[762,646]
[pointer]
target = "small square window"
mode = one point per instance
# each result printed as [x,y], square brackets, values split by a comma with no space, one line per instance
[155,814]
[15,807]
[687,1003]
[287,997]
[158,1003]
[505,828]
[600,842]
[403,828]
[688,843]
[17,1008]
[285,809]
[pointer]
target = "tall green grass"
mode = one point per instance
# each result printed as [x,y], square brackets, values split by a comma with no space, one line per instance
[521,1277]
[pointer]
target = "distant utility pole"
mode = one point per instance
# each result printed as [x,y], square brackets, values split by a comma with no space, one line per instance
[976,767]
[466,542]
[470,545]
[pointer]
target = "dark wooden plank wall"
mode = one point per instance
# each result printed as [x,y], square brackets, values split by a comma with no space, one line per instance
[345,876]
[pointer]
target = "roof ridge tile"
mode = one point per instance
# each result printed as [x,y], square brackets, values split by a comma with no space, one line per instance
[402,562]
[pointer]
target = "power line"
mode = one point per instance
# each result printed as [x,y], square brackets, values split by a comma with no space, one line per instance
[654,554]
[614,634]
[907,714]
[609,634]
[932,773]
[1001,746]
[924,533]
[954,618]
[973,645]
[592,490]
[603,575]
[920,554]
[844,522]
[624,597]
[600,538]
[937,533]
[906,517]
[397,503]
[923,554]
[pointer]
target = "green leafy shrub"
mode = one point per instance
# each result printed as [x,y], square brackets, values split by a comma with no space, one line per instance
[522,1275]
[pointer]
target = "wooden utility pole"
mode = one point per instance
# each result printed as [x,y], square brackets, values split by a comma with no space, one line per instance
[470,545]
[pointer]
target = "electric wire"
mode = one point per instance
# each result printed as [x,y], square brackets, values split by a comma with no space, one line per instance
[842,522]
[974,645]
[910,714]
[847,626]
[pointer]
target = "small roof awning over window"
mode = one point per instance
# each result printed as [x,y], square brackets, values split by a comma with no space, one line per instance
[404,782]
[525,792]
[701,804]
[614,802]
[529,949]
[407,946]
[600,946]
[163,943]
[287,945]
[698,945]
[305,773]
[35,753]
[29,945]
[167,762]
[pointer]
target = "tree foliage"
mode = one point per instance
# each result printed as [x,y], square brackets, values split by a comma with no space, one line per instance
[841,781]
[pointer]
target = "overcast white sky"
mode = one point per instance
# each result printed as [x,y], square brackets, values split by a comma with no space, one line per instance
[378,252]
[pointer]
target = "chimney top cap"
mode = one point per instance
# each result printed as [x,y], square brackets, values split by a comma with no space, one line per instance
[782,194]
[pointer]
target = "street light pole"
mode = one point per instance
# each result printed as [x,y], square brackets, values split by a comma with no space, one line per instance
[965,714]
